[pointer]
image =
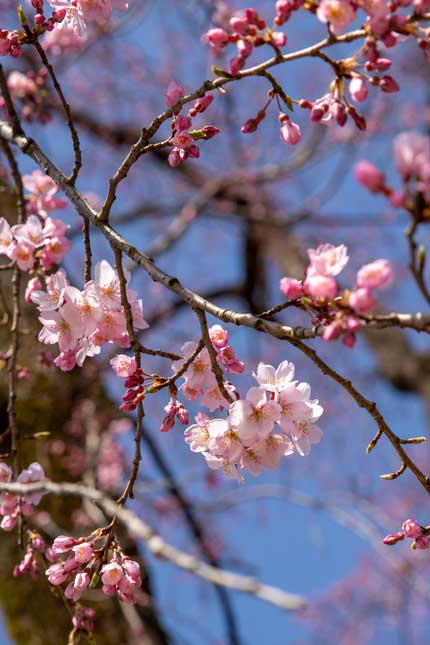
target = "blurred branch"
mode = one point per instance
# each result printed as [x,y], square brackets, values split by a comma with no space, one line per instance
[157,545]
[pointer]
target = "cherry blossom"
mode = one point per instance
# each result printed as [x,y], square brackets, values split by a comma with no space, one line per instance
[254,416]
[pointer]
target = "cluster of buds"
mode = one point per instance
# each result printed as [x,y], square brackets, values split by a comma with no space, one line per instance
[30,90]
[29,562]
[174,409]
[11,42]
[134,394]
[319,291]
[183,137]
[284,9]
[41,22]
[413,530]
[83,623]
[245,29]
[13,506]
[88,564]
[333,107]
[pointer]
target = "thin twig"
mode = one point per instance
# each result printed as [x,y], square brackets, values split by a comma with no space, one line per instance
[216,368]
[66,107]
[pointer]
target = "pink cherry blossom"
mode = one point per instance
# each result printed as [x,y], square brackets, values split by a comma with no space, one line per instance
[22,253]
[218,336]
[304,434]
[111,573]
[74,18]
[328,260]
[5,235]
[338,13]
[254,417]
[123,365]
[274,379]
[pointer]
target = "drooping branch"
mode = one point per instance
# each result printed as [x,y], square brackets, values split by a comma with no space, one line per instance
[160,548]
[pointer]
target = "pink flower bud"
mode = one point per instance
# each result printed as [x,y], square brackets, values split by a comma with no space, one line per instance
[353,323]
[83,552]
[382,64]
[132,569]
[210,131]
[349,339]
[361,300]
[174,158]
[200,105]
[388,84]
[167,423]
[290,133]
[279,38]
[392,539]
[291,288]
[240,25]
[216,38]
[82,580]
[333,330]
[358,89]
[227,357]
[236,64]
[421,542]
[249,126]
[374,275]
[182,415]
[412,529]
[398,199]
[369,176]
[320,286]
[63,544]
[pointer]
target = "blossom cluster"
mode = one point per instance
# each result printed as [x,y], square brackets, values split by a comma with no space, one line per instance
[339,312]
[246,29]
[274,420]
[37,242]
[12,506]
[30,90]
[199,379]
[119,574]
[125,367]
[183,137]
[69,16]
[413,530]
[412,159]
[82,321]
[79,13]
